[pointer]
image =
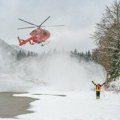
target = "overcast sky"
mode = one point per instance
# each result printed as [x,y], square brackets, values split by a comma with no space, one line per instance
[78,16]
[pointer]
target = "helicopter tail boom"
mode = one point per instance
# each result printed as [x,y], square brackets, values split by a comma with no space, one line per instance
[22,42]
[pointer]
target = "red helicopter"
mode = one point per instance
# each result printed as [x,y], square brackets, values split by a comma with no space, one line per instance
[38,35]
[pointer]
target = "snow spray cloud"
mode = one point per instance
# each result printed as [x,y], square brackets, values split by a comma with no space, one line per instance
[63,72]
[56,72]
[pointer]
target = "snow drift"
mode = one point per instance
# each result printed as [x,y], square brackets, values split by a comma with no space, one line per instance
[56,72]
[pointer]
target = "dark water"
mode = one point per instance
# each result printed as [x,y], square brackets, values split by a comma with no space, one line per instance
[12,106]
[60,95]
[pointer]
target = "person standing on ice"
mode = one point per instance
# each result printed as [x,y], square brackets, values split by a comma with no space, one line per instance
[98,89]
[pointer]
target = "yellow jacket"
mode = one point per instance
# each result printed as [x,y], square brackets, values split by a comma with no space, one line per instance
[98,86]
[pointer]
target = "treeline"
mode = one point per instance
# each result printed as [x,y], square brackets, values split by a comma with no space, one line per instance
[85,56]
[107,37]
[21,54]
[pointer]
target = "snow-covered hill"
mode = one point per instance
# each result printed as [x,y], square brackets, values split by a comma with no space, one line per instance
[9,73]
[8,53]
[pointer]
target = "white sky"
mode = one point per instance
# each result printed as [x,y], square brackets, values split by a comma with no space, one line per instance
[78,16]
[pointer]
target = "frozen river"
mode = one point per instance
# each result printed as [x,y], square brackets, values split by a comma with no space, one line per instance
[12,106]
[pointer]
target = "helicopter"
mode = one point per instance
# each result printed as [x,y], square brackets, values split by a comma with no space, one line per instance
[38,35]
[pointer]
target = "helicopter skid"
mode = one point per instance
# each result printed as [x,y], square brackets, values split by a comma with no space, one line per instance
[45,43]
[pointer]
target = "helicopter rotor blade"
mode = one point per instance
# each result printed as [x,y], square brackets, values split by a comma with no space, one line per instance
[44,21]
[41,26]
[27,22]
[26,28]
[53,26]
[34,25]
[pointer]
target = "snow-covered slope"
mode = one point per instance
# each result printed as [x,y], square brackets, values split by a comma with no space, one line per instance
[8,53]
[9,80]
[6,56]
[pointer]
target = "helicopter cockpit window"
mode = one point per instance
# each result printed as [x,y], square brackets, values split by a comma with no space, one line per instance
[44,32]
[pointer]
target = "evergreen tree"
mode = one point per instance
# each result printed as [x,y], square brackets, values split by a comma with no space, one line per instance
[115,72]
[75,52]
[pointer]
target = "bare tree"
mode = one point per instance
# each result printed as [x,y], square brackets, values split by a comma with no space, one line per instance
[107,37]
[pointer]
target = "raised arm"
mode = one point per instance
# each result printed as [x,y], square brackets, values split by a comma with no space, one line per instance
[93,82]
[103,83]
